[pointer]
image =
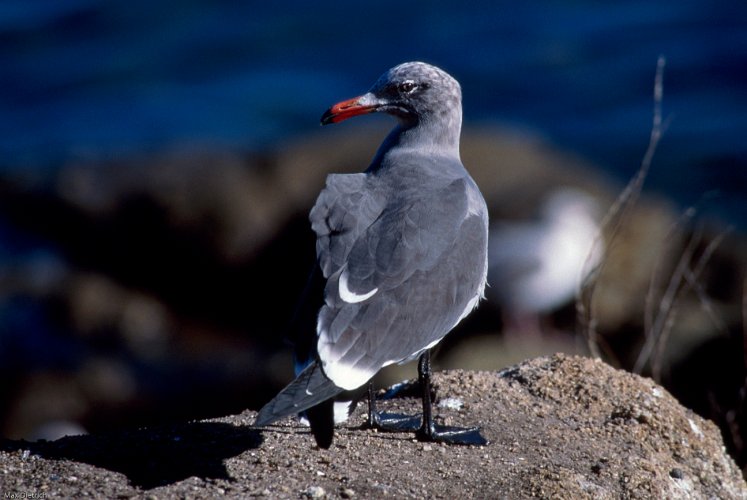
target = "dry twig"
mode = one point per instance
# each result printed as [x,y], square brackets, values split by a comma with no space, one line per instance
[616,215]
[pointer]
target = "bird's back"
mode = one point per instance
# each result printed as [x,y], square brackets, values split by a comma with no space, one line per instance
[424,253]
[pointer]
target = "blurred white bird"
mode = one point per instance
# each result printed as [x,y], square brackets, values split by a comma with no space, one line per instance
[536,267]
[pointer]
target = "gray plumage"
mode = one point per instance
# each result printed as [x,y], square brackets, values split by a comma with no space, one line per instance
[402,246]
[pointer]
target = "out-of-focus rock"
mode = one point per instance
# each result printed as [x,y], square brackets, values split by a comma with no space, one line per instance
[646,240]
[100,307]
[230,199]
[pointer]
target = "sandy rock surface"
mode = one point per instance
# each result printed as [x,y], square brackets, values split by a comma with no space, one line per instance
[559,427]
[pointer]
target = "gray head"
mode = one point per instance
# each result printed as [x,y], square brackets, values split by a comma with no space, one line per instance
[415,92]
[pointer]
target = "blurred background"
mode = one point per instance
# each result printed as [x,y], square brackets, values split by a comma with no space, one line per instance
[158,160]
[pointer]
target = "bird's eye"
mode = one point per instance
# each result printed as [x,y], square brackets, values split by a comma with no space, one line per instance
[407,87]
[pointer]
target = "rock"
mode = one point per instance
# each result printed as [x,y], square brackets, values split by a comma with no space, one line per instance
[559,427]
[347,493]
[314,492]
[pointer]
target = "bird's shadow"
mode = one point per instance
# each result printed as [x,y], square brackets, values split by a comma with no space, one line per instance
[155,456]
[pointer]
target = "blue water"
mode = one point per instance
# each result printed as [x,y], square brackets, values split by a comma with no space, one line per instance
[96,79]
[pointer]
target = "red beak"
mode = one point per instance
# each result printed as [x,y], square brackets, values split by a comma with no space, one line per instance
[347,109]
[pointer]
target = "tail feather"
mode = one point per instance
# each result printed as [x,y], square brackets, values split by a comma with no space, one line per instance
[310,388]
[322,422]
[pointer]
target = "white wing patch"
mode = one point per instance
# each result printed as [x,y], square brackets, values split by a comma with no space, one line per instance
[351,297]
[348,377]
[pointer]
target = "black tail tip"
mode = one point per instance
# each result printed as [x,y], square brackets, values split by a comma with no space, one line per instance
[323,441]
[322,421]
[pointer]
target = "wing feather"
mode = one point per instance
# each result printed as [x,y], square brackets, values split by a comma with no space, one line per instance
[344,209]
[409,247]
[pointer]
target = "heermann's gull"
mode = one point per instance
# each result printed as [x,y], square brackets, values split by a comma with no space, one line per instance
[537,266]
[403,250]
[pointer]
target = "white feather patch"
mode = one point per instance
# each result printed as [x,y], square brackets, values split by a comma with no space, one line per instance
[347,377]
[342,411]
[351,297]
[471,305]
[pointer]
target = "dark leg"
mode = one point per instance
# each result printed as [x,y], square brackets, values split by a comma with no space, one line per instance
[373,416]
[393,422]
[430,431]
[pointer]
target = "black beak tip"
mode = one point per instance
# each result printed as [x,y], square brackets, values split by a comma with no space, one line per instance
[326,118]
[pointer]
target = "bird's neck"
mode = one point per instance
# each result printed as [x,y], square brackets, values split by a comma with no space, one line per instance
[426,136]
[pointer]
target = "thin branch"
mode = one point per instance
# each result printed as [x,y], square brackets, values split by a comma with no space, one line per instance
[616,215]
[656,367]
[705,302]
[697,286]
[683,280]
[666,305]
[648,310]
